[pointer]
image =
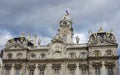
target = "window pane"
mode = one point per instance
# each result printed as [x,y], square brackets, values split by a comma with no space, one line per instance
[31,72]
[7,72]
[17,72]
[110,71]
[97,71]
[83,71]
[41,72]
[72,72]
[56,71]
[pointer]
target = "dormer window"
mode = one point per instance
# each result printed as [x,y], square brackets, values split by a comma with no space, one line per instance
[108,52]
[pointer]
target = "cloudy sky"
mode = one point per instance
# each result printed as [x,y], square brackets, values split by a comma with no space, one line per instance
[42,17]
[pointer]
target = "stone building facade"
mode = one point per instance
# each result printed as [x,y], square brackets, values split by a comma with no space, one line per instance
[61,56]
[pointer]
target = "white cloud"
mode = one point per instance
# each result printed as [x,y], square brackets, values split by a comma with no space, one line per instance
[83,38]
[4,37]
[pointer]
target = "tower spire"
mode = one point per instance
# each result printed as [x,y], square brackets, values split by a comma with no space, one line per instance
[100,30]
[65,30]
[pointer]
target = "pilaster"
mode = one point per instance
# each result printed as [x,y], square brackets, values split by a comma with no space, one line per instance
[12,72]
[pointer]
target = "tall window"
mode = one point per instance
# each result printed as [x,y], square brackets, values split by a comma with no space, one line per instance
[18,72]
[19,55]
[9,55]
[31,72]
[42,55]
[56,71]
[110,71]
[97,53]
[7,72]
[83,71]
[72,72]
[33,56]
[97,71]
[83,54]
[41,71]
[109,52]
[72,55]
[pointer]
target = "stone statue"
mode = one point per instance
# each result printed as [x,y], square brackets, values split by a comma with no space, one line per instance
[77,39]
[39,41]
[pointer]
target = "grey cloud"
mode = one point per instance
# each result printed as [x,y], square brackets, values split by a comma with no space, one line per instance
[42,17]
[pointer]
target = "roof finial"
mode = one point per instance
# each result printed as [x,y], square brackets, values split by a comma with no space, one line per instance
[100,30]
[67,13]
[22,34]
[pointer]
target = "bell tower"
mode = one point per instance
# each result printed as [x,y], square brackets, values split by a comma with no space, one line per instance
[65,30]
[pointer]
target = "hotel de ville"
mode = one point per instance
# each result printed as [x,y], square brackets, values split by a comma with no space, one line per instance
[25,56]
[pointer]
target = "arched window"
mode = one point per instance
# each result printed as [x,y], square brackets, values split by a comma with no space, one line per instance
[108,52]
[9,55]
[97,53]
[33,56]
[43,55]
[19,55]
[72,55]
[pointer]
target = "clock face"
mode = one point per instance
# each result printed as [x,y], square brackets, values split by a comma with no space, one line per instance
[65,23]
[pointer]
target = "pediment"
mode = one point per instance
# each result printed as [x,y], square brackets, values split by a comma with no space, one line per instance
[103,43]
[15,45]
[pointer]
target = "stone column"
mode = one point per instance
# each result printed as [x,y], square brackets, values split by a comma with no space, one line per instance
[27,71]
[36,72]
[63,69]
[80,72]
[49,70]
[66,69]
[90,72]
[77,69]
[103,69]
[12,72]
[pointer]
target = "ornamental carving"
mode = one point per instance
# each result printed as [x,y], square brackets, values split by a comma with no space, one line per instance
[83,66]
[56,65]
[31,66]
[109,63]
[72,65]
[8,66]
[96,64]
[41,66]
[18,65]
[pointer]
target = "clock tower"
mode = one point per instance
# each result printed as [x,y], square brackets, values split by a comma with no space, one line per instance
[65,30]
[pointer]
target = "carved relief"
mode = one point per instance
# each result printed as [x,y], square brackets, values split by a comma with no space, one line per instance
[41,66]
[97,64]
[83,66]
[109,63]
[72,65]
[8,66]
[56,66]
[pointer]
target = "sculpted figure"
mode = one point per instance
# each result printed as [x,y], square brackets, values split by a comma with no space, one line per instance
[77,39]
